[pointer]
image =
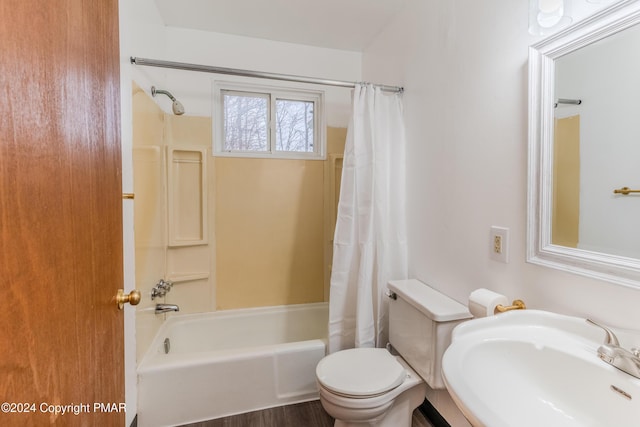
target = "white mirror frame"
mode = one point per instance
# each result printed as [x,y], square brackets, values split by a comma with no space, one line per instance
[542,56]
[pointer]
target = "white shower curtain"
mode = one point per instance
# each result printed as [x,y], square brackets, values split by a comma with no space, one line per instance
[369,246]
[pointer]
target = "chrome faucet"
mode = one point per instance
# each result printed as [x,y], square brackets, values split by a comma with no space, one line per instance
[161,288]
[165,308]
[616,356]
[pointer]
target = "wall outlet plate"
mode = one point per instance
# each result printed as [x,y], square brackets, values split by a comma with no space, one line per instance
[499,244]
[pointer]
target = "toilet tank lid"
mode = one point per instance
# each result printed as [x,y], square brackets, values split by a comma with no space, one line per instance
[435,305]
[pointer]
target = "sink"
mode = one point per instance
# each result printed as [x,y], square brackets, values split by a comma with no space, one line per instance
[535,368]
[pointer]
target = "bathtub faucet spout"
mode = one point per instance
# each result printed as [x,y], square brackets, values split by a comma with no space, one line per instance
[165,308]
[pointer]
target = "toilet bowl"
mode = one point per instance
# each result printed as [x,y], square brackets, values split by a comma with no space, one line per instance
[369,387]
[372,387]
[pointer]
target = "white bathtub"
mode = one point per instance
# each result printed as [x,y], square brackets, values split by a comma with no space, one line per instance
[231,362]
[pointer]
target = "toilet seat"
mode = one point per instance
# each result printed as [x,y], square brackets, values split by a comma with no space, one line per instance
[360,372]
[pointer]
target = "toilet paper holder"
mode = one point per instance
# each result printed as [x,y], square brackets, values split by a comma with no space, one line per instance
[517,304]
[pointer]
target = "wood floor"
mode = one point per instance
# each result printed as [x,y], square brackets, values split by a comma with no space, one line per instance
[308,414]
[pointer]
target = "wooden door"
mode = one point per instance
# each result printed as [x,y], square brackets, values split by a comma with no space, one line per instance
[61,336]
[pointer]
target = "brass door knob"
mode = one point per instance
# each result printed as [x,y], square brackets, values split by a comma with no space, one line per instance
[132,298]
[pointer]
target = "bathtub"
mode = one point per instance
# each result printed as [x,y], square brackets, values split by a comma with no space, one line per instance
[230,362]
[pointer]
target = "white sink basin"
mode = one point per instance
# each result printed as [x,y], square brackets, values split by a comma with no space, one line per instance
[535,368]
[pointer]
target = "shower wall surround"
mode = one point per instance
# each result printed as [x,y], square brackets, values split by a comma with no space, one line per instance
[267,220]
[149,211]
[180,252]
[270,229]
[161,252]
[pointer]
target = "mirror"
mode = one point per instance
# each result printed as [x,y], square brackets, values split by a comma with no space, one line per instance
[584,143]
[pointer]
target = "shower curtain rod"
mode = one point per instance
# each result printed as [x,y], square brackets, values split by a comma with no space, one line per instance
[567,101]
[248,73]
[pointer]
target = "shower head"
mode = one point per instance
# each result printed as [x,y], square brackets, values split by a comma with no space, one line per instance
[178,108]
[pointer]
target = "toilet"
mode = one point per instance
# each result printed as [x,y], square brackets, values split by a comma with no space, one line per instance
[372,386]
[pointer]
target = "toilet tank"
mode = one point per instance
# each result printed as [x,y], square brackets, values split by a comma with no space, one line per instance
[420,323]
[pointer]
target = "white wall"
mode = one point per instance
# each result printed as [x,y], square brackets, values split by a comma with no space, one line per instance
[464,67]
[194,89]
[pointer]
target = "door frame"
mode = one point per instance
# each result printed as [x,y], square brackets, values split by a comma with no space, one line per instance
[128,251]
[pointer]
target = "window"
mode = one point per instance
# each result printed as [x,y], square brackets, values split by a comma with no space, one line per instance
[268,122]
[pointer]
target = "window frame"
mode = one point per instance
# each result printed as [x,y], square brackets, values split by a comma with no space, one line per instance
[273,93]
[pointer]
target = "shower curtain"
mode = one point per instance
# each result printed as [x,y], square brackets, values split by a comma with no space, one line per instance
[369,246]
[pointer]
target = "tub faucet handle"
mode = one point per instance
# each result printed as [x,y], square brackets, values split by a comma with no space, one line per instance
[161,288]
[165,284]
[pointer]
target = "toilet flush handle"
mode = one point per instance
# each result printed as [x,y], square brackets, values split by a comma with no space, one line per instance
[391,295]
